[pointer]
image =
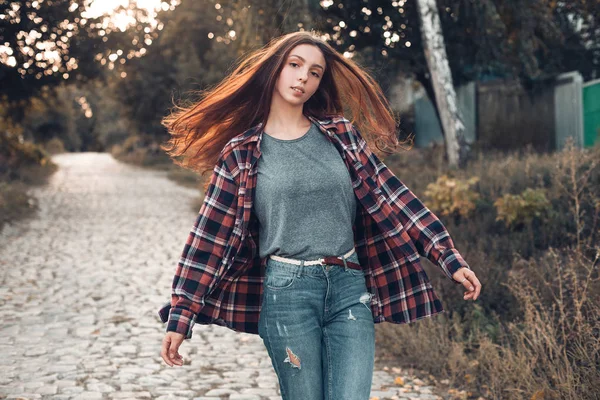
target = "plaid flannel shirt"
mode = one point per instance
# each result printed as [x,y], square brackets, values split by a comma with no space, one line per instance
[219,277]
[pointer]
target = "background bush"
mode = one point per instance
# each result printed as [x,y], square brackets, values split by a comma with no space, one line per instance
[534,332]
[22,164]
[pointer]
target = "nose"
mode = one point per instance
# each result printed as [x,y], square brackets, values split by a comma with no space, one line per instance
[303,76]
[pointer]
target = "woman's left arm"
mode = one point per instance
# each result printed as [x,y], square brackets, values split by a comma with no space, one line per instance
[427,232]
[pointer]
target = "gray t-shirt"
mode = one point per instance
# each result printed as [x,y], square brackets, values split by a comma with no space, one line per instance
[304,200]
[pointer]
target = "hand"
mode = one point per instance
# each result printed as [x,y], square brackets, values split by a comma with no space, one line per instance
[470,281]
[170,347]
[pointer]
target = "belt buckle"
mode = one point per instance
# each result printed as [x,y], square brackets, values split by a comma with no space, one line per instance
[322,260]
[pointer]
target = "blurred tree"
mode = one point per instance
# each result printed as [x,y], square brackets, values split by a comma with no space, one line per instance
[186,55]
[579,49]
[52,113]
[85,117]
[256,22]
[102,116]
[533,40]
[47,43]
[203,39]
[200,42]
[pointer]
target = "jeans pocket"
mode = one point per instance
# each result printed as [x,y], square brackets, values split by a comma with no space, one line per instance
[356,272]
[276,280]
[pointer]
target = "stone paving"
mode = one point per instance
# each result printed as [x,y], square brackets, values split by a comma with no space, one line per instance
[80,286]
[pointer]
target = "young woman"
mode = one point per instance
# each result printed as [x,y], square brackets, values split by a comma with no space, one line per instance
[304,237]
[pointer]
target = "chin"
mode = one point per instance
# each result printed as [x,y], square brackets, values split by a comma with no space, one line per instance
[296,101]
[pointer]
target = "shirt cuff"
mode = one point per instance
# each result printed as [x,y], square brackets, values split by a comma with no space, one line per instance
[451,261]
[181,321]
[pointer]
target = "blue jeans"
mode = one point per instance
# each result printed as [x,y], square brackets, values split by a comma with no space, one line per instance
[317,326]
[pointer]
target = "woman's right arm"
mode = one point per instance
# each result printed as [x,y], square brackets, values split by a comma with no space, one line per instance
[203,250]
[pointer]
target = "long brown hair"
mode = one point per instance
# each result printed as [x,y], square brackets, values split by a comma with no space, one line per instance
[243,98]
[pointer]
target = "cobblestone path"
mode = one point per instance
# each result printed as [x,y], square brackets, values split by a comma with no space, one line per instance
[80,286]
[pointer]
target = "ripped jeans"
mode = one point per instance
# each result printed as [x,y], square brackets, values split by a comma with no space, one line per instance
[317,326]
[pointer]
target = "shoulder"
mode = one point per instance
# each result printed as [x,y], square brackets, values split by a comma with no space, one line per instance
[337,121]
[345,128]
[348,133]
[242,140]
[229,159]
[340,121]
[235,154]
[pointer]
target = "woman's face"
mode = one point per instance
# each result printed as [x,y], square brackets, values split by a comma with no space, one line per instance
[303,68]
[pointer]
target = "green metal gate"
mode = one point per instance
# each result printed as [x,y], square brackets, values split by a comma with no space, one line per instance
[591,113]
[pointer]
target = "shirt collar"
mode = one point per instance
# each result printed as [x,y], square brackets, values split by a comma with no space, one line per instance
[254,134]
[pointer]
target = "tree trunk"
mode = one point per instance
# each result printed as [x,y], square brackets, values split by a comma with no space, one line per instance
[441,79]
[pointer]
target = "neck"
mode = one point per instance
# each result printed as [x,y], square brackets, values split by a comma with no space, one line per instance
[284,116]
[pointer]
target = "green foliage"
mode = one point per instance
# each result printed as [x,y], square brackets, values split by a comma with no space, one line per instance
[76,40]
[183,58]
[16,154]
[450,196]
[530,40]
[195,51]
[522,208]
[53,114]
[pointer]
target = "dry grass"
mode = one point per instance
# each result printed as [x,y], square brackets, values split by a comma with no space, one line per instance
[142,151]
[22,164]
[534,333]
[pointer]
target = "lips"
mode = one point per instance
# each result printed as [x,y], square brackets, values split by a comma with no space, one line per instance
[299,90]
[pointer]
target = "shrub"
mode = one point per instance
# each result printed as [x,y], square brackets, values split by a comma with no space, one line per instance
[522,208]
[22,163]
[534,332]
[15,203]
[55,146]
[17,154]
[450,196]
[140,150]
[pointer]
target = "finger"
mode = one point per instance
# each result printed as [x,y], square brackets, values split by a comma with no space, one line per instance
[174,354]
[477,288]
[468,284]
[475,285]
[163,352]
[175,358]
[473,294]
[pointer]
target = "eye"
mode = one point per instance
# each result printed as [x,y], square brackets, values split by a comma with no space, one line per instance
[314,73]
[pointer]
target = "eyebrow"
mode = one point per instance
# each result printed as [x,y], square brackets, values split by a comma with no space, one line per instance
[314,65]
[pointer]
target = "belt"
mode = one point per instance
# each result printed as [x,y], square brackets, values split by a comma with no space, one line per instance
[329,260]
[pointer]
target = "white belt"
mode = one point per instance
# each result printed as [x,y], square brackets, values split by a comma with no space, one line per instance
[312,262]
